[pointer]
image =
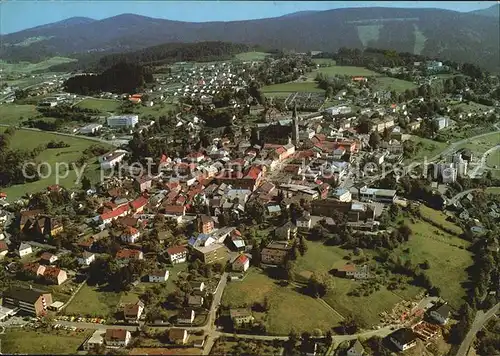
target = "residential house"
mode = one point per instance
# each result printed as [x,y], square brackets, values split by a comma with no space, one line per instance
[177,254]
[138,204]
[54,275]
[212,253]
[198,286]
[111,159]
[31,301]
[178,336]
[158,276]
[24,250]
[353,271]
[86,258]
[241,263]
[403,338]
[48,258]
[275,253]
[304,222]
[286,232]
[205,224]
[132,312]
[186,316]
[342,194]
[195,301]
[125,255]
[4,249]
[117,337]
[143,183]
[130,235]
[442,122]
[94,341]
[356,349]
[107,217]
[33,270]
[241,316]
[441,313]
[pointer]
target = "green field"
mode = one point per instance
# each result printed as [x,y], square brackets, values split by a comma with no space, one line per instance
[324,61]
[288,308]
[319,258]
[252,56]
[20,341]
[493,159]
[429,148]
[448,263]
[493,190]
[398,85]
[105,105]
[27,67]
[28,140]
[438,217]
[478,146]
[308,87]
[92,302]
[13,114]
[365,310]
[345,70]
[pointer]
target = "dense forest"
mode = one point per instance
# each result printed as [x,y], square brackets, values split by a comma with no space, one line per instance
[120,78]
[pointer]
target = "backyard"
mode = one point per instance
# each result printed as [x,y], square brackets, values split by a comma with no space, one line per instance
[90,301]
[287,307]
[23,341]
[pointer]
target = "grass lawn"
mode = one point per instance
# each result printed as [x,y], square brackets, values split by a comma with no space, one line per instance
[288,308]
[104,105]
[365,310]
[493,159]
[395,84]
[10,114]
[448,262]
[252,56]
[309,87]
[157,110]
[493,190]
[27,67]
[19,341]
[345,70]
[327,61]
[439,218]
[90,301]
[429,148]
[319,258]
[480,145]
[28,140]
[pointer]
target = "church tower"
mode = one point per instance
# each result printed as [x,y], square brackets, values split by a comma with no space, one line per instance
[295,126]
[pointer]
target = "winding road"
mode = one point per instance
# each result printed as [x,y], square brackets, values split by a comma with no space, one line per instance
[481,319]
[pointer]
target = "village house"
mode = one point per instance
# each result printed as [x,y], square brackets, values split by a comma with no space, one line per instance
[195,301]
[54,275]
[24,250]
[286,232]
[186,316]
[130,235]
[241,263]
[275,253]
[205,224]
[143,183]
[178,336]
[403,338]
[94,341]
[125,255]
[48,258]
[110,160]
[86,258]
[158,276]
[177,254]
[30,301]
[138,204]
[4,249]
[212,253]
[132,312]
[441,313]
[304,222]
[197,286]
[356,349]
[353,271]
[241,316]
[117,338]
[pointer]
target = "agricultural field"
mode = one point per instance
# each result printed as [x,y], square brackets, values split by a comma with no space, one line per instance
[23,341]
[14,114]
[252,56]
[28,140]
[27,67]
[287,307]
[447,256]
[429,148]
[104,105]
[345,70]
[398,85]
[320,259]
[309,87]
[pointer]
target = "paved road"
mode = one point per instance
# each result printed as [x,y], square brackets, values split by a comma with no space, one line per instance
[479,321]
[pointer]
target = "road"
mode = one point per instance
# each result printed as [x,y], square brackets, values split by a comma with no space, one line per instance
[479,321]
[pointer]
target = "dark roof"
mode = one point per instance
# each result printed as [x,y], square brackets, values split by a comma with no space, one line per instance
[24,294]
[404,336]
[443,310]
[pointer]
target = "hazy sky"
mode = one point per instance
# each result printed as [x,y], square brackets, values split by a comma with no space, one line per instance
[16,15]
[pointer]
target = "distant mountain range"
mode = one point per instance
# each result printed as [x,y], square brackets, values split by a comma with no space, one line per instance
[464,37]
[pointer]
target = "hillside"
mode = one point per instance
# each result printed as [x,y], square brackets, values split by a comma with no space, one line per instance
[463,37]
[492,11]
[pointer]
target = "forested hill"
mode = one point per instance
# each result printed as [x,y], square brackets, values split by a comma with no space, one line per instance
[463,37]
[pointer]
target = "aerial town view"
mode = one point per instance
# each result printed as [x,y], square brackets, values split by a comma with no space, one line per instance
[250,178]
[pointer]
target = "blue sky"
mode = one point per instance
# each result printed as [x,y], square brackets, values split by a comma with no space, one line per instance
[20,14]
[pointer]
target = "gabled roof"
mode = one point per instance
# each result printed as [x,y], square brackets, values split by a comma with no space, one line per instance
[241,259]
[176,249]
[24,294]
[116,334]
[443,310]
[139,203]
[404,336]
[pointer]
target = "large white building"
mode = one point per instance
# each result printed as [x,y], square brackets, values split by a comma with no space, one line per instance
[123,120]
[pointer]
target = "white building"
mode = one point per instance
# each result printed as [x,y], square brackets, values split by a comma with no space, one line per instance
[177,254]
[404,339]
[342,194]
[90,129]
[241,263]
[86,258]
[442,121]
[158,276]
[94,341]
[117,337]
[111,159]
[24,250]
[123,121]
[130,235]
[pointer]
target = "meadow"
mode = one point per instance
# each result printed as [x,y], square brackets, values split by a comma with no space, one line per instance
[30,342]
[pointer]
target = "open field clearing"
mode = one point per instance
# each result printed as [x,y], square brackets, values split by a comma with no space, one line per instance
[309,87]
[99,104]
[398,85]
[27,67]
[14,114]
[20,341]
[252,56]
